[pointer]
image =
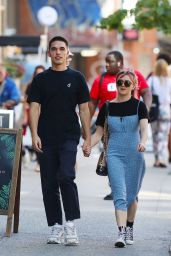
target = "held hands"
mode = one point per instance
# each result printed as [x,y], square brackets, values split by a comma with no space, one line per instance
[86,148]
[141,147]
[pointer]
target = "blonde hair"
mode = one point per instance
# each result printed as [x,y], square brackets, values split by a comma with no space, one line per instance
[130,73]
[161,68]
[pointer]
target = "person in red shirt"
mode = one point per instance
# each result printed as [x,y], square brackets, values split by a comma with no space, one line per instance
[104,87]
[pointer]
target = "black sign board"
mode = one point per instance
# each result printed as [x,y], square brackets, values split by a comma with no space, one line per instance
[10,172]
[20,40]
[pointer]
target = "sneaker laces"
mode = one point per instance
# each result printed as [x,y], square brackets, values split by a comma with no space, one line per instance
[56,230]
[70,230]
[129,233]
[122,234]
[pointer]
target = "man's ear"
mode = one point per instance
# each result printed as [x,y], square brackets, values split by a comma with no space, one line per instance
[119,64]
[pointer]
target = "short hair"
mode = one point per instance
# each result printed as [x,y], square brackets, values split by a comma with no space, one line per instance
[58,38]
[118,55]
[130,73]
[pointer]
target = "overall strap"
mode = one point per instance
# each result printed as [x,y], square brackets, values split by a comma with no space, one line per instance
[106,131]
[107,108]
[138,106]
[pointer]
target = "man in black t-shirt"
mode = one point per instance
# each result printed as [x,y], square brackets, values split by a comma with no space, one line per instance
[54,95]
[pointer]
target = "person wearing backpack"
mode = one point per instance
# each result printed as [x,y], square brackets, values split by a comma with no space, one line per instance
[104,87]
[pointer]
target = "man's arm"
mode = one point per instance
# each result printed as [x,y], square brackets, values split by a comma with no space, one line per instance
[147,97]
[92,107]
[34,118]
[85,121]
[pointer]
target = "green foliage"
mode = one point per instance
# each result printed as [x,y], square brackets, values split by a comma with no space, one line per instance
[153,14]
[148,14]
[9,142]
[114,21]
[4,196]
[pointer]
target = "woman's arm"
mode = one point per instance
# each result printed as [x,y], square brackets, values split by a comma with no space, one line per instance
[143,134]
[96,137]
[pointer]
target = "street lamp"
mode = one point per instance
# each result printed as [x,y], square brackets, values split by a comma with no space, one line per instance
[47,17]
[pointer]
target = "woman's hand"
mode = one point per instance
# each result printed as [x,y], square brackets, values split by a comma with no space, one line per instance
[141,147]
[86,148]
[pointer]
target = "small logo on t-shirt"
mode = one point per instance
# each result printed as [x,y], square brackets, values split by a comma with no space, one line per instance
[111,87]
[69,85]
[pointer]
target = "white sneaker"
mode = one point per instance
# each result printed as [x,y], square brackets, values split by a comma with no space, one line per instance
[121,241]
[56,236]
[70,234]
[129,236]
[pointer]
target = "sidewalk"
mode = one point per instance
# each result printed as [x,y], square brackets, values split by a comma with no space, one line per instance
[97,228]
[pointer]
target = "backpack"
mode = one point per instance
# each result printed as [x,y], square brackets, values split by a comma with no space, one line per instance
[101,78]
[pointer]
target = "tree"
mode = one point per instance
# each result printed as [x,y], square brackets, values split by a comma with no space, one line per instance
[148,14]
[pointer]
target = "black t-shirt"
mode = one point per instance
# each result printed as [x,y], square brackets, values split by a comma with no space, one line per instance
[127,108]
[58,92]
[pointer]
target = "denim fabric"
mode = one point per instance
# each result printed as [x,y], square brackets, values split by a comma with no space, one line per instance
[126,166]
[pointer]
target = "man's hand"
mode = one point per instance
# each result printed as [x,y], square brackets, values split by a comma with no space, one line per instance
[86,148]
[36,144]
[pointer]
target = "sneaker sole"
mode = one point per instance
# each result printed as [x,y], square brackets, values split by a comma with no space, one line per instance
[129,242]
[61,241]
[53,242]
[71,243]
[120,244]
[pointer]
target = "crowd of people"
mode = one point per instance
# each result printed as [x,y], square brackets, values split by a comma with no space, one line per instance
[49,105]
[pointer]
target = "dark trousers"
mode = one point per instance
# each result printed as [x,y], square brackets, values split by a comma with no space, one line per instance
[57,170]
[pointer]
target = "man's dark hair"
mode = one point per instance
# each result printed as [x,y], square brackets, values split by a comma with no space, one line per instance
[58,38]
[118,55]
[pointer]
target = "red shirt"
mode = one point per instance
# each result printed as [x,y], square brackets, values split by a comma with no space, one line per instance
[108,91]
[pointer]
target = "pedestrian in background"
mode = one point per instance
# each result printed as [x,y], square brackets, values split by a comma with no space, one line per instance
[26,108]
[55,129]
[9,93]
[127,127]
[160,84]
[104,87]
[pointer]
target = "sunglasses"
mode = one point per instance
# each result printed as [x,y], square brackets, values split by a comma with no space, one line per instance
[126,83]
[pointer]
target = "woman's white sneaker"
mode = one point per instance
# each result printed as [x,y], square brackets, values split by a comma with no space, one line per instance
[121,241]
[129,235]
[56,235]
